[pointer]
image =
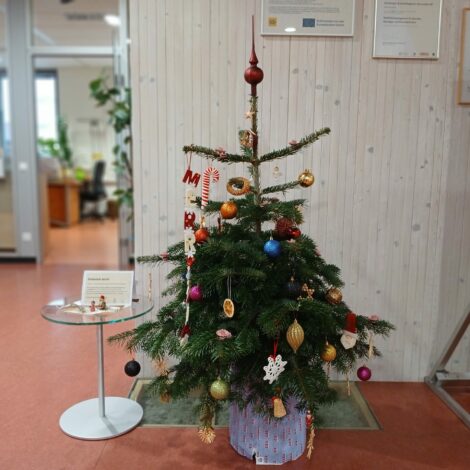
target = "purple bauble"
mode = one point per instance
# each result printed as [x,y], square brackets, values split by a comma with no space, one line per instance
[195,293]
[364,373]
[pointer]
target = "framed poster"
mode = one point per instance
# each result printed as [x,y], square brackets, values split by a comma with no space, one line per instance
[307,17]
[463,92]
[407,29]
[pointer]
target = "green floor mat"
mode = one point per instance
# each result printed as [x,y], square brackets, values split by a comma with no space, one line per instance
[351,412]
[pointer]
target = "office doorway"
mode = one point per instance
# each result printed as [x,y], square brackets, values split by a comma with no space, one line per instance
[77,177]
[82,218]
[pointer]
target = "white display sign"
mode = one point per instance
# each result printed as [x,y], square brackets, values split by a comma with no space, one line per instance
[464,70]
[308,17]
[407,29]
[114,286]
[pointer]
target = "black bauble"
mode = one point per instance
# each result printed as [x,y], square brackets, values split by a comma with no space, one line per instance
[132,368]
[293,288]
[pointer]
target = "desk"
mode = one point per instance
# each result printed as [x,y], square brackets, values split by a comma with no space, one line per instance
[64,202]
[102,417]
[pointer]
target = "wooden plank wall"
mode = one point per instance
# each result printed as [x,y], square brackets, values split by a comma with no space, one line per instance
[390,201]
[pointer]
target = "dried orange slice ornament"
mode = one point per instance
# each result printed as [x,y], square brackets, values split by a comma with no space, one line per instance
[229,308]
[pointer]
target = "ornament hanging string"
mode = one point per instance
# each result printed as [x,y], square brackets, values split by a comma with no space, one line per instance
[276,342]
[210,174]
[229,287]
[370,352]
[149,288]
[189,158]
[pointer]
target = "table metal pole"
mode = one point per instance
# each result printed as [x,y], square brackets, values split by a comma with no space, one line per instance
[99,339]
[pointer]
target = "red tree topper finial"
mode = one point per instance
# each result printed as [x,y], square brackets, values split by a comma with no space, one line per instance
[253,74]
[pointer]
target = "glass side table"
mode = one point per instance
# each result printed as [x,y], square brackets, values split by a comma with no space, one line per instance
[102,417]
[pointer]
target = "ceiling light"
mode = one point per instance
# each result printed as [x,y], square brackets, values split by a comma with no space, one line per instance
[112,20]
[290,30]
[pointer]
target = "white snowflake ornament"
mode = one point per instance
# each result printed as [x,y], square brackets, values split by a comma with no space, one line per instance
[274,368]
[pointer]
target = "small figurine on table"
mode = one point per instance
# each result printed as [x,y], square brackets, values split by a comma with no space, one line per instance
[102,303]
[92,306]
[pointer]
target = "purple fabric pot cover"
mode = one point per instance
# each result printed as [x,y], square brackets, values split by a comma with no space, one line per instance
[271,441]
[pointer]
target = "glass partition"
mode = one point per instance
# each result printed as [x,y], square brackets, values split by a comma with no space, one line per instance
[7,218]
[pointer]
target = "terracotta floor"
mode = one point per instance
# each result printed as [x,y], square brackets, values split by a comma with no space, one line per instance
[48,367]
[90,242]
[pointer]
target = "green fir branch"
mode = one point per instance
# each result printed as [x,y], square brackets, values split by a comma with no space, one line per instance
[293,149]
[149,259]
[280,188]
[212,154]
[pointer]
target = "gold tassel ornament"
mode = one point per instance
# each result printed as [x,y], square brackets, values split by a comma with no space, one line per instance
[279,408]
[207,434]
[310,434]
[295,335]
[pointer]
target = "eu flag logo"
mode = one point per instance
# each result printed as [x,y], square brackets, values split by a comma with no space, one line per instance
[308,22]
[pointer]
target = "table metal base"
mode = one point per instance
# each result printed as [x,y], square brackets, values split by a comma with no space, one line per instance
[83,420]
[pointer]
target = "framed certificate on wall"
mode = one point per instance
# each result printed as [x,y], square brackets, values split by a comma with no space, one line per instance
[463,92]
[307,17]
[407,29]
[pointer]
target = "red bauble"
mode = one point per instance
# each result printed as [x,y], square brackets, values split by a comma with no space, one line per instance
[189,261]
[294,232]
[201,235]
[254,75]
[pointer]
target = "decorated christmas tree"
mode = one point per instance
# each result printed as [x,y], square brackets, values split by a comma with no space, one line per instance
[255,315]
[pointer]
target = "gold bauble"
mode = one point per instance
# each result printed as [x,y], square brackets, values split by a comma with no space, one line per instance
[306,179]
[295,335]
[219,389]
[329,353]
[228,210]
[334,296]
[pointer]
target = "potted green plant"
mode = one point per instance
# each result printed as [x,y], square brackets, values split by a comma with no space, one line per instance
[59,148]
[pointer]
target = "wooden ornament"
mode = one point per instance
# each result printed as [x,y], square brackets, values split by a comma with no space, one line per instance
[295,335]
[278,408]
[281,230]
[238,186]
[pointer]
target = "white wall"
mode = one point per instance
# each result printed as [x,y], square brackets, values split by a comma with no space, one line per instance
[89,130]
[389,205]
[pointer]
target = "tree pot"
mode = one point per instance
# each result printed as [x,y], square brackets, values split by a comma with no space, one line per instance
[268,441]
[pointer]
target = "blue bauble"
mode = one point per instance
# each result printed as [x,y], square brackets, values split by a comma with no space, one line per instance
[272,248]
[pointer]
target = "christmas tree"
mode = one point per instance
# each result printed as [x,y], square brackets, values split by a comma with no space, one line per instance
[256,314]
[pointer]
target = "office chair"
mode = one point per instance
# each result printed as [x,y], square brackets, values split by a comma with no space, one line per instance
[94,192]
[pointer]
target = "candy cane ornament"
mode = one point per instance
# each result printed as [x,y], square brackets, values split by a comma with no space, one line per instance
[209,174]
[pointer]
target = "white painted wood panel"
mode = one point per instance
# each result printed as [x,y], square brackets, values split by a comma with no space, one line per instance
[390,203]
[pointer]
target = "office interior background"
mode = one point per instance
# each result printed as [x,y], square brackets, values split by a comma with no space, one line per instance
[390,204]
